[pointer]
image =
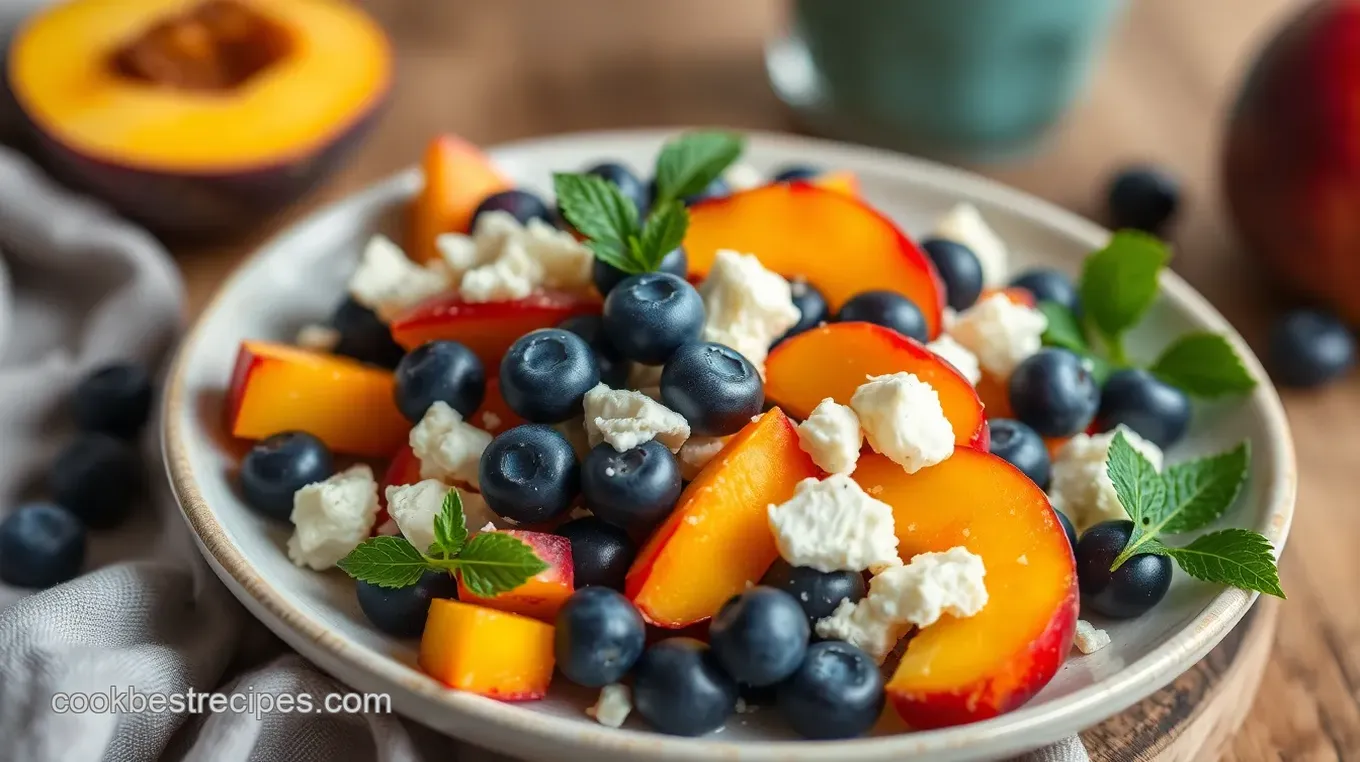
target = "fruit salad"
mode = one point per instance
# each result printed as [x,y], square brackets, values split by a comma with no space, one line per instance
[717,439]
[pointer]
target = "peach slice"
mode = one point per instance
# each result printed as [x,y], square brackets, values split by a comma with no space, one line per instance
[487,328]
[995,395]
[458,177]
[840,180]
[717,541]
[837,242]
[491,653]
[542,596]
[964,670]
[833,360]
[345,403]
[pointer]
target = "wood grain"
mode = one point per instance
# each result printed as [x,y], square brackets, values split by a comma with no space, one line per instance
[496,71]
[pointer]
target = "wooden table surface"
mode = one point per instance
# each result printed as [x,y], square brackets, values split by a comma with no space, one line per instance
[496,71]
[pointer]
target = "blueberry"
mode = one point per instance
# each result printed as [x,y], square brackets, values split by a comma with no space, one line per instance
[714,387]
[1068,529]
[648,316]
[41,545]
[679,689]
[280,465]
[521,204]
[717,188]
[613,368]
[1022,447]
[959,268]
[796,172]
[1143,198]
[364,337]
[633,489]
[600,552]
[1158,411]
[529,474]
[1310,348]
[439,371]
[837,692]
[1130,591]
[812,307]
[114,399]
[401,612]
[818,592]
[1048,285]
[888,309]
[1054,393]
[96,477]
[599,637]
[607,276]
[546,373]
[628,183]
[760,636]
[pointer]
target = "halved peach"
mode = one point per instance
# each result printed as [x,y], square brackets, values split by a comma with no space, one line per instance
[835,241]
[541,596]
[458,177]
[344,403]
[964,670]
[717,541]
[487,328]
[833,360]
[491,653]
[839,180]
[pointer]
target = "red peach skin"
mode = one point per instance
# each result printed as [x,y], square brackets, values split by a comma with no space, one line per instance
[487,328]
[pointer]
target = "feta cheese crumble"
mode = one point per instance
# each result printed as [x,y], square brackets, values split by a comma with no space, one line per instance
[1000,332]
[831,435]
[698,452]
[318,338]
[903,419]
[330,518]
[626,419]
[740,177]
[414,507]
[1089,639]
[832,525]
[746,306]
[388,282]
[956,354]
[503,259]
[613,705]
[1081,486]
[964,224]
[449,448]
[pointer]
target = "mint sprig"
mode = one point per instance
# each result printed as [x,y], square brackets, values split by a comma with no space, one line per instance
[1185,498]
[1203,364]
[689,163]
[490,563]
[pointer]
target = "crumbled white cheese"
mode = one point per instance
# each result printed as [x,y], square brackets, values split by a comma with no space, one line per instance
[1089,639]
[1000,332]
[860,626]
[741,176]
[964,224]
[504,260]
[613,706]
[449,448]
[956,354]
[414,508]
[318,338]
[574,431]
[832,525]
[696,453]
[626,419]
[332,517]
[903,419]
[746,307]
[490,421]
[388,282]
[1081,485]
[831,435]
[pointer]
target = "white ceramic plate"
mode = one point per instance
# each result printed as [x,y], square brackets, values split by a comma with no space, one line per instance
[299,276]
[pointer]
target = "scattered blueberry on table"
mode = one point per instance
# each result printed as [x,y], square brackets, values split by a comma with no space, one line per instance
[41,545]
[280,465]
[96,476]
[1309,348]
[1143,198]
[114,399]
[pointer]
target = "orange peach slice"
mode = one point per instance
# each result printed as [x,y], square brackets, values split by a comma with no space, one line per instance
[840,180]
[541,596]
[833,360]
[344,403]
[458,177]
[837,242]
[487,652]
[995,395]
[487,328]
[717,541]
[964,670]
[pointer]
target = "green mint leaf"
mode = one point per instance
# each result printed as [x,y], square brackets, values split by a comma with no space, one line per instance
[1237,557]
[1200,491]
[386,562]
[1141,491]
[1119,284]
[690,162]
[1203,365]
[599,211]
[662,234]
[450,527]
[1063,329]
[494,562]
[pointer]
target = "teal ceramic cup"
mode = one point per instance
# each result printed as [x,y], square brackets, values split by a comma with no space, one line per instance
[960,79]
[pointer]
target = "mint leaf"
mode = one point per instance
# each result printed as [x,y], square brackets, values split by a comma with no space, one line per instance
[1141,491]
[494,562]
[386,562]
[1063,329]
[1119,284]
[1200,491]
[450,527]
[690,162]
[1236,557]
[663,233]
[599,211]
[1203,365]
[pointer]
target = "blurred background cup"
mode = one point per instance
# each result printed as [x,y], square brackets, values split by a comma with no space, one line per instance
[966,80]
